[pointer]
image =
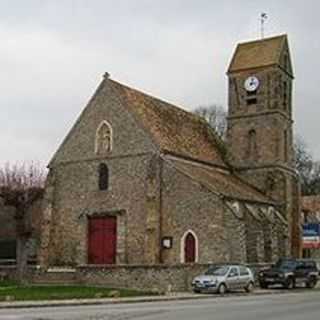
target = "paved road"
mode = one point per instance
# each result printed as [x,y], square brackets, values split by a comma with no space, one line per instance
[293,306]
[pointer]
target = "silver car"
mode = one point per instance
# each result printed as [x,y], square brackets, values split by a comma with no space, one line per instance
[223,278]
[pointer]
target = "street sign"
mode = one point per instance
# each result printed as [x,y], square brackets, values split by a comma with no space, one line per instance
[311,236]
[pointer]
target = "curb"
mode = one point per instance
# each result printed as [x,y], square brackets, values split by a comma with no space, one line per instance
[88,302]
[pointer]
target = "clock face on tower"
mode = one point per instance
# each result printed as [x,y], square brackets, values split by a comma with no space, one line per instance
[251,83]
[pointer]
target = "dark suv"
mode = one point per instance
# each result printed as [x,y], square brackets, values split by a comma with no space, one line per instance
[289,273]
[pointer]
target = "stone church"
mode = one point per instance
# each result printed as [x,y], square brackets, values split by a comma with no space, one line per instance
[138,180]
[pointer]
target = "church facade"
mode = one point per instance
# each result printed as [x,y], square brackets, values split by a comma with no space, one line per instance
[140,181]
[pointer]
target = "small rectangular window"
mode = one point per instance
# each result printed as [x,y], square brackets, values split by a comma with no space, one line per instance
[252,93]
[8,249]
[251,101]
[103,173]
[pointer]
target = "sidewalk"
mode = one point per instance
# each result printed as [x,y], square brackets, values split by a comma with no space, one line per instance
[171,297]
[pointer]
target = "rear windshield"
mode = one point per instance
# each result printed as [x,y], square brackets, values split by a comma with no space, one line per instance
[217,271]
[285,264]
[307,263]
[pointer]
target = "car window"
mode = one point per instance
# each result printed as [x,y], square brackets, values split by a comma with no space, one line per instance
[309,264]
[233,272]
[244,271]
[217,271]
[286,264]
[300,265]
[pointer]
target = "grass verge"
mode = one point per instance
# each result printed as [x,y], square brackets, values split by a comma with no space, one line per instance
[10,291]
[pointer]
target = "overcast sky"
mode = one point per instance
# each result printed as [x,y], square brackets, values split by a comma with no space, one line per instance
[53,55]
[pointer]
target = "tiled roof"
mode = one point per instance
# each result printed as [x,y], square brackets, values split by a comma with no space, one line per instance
[259,53]
[172,129]
[220,181]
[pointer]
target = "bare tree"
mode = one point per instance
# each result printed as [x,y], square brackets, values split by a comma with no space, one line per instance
[20,186]
[216,116]
[307,168]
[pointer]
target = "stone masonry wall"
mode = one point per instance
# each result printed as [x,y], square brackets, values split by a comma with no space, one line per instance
[159,278]
[163,278]
[128,137]
[234,223]
[72,195]
[268,117]
[253,239]
[77,197]
[260,141]
[186,205]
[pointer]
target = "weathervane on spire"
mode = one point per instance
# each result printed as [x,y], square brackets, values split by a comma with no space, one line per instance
[263,18]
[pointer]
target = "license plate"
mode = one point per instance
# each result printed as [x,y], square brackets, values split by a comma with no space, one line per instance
[270,279]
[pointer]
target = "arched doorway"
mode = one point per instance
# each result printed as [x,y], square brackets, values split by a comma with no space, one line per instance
[189,247]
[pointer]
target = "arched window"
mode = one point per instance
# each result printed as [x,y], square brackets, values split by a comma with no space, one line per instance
[285,94]
[189,247]
[252,144]
[285,145]
[286,62]
[103,176]
[103,143]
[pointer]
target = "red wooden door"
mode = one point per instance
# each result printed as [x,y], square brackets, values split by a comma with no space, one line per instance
[102,240]
[190,248]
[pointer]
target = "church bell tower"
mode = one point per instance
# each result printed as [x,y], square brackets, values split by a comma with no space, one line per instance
[259,134]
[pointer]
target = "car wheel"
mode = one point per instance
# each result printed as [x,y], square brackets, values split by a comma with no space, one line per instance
[264,285]
[249,288]
[312,282]
[222,289]
[289,283]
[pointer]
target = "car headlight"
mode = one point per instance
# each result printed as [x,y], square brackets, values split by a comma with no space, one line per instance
[261,274]
[213,281]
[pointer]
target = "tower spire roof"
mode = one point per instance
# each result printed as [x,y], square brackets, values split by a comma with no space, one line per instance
[258,53]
